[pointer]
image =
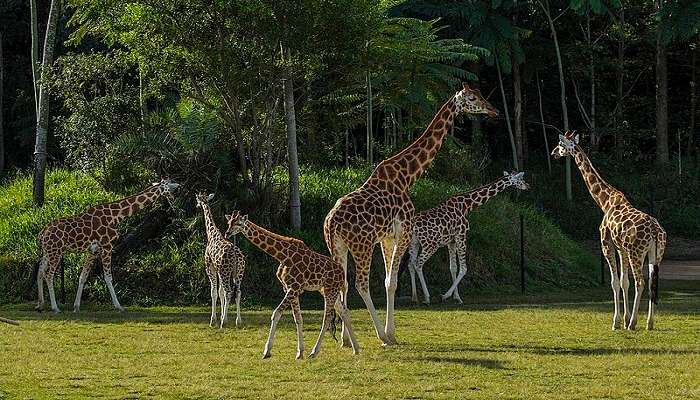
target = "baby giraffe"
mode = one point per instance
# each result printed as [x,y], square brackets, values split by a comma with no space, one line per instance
[222,260]
[448,225]
[300,269]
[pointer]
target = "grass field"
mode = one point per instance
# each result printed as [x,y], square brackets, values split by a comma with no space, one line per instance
[554,346]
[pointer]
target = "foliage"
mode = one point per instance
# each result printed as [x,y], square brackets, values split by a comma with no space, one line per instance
[552,346]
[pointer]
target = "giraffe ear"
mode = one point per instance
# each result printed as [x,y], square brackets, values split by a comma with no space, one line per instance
[465,86]
[520,175]
[228,217]
[562,137]
[505,173]
[576,138]
[211,196]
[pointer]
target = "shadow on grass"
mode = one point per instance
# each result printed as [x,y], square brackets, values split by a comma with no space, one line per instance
[464,361]
[567,351]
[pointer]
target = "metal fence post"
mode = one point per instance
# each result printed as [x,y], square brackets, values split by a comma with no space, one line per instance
[63,283]
[522,254]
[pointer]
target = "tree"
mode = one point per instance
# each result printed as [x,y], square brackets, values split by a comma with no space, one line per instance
[42,110]
[661,95]
[2,134]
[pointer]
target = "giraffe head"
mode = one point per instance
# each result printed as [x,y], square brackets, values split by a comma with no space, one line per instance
[470,101]
[236,223]
[516,179]
[567,144]
[166,187]
[203,199]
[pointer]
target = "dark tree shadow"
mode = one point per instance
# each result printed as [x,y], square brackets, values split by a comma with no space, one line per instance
[558,350]
[464,361]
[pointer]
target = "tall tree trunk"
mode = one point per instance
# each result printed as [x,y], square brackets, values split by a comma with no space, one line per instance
[560,67]
[544,130]
[369,120]
[477,134]
[292,155]
[595,139]
[518,111]
[2,133]
[693,99]
[142,97]
[34,26]
[347,147]
[661,97]
[43,111]
[620,77]
[507,114]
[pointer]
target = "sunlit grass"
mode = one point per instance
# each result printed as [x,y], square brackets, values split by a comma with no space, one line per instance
[493,348]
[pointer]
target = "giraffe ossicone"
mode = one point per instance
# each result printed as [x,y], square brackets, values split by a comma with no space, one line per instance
[224,264]
[447,224]
[381,211]
[92,231]
[301,269]
[624,231]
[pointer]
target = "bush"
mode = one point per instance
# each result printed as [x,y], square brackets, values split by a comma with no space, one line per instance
[170,269]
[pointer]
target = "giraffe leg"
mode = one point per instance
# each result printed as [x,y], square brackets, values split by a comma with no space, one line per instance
[345,317]
[212,289]
[92,256]
[413,255]
[636,262]
[362,261]
[610,256]
[398,247]
[48,277]
[223,299]
[340,255]
[452,250]
[625,285]
[329,299]
[106,267]
[653,284]
[238,304]
[40,282]
[462,255]
[424,256]
[276,315]
[299,322]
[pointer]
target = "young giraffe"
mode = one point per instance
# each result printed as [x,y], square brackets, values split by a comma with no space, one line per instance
[222,260]
[633,233]
[448,225]
[300,269]
[94,231]
[381,210]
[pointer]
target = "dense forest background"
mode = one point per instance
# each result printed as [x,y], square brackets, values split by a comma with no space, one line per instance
[281,107]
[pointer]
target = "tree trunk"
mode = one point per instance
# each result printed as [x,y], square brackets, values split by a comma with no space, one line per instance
[347,148]
[620,75]
[142,97]
[544,130]
[518,111]
[477,134]
[661,98]
[693,100]
[595,139]
[507,114]
[35,53]
[43,111]
[369,120]
[2,133]
[565,115]
[293,159]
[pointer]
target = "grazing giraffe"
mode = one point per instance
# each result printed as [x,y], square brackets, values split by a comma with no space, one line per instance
[301,269]
[94,231]
[631,232]
[448,225]
[222,261]
[381,210]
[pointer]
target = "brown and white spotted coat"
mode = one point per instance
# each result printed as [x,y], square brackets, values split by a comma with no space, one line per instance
[223,262]
[381,210]
[448,225]
[301,269]
[632,233]
[93,231]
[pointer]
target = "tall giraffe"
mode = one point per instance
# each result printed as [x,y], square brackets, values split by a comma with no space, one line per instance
[223,261]
[301,269]
[631,232]
[447,225]
[381,210]
[93,231]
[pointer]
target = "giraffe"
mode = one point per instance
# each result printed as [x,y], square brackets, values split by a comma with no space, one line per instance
[631,232]
[93,231]
[301,269]
[447,225]
[380,211]
[222,260]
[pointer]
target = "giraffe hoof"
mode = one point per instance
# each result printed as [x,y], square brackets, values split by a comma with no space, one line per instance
[267,355]
[300,356]
[76,310]
[311,355]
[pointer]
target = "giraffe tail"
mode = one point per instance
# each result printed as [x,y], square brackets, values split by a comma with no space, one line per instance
[33,278]
[654,271]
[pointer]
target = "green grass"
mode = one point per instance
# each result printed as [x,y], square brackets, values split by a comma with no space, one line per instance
[534,347]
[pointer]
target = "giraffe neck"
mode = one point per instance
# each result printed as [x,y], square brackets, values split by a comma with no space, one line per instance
[133,204]
[278,246]
[479,196]
[213,232]
[602,192]
[406,167]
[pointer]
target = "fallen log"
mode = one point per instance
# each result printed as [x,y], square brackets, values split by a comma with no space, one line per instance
[9,321]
